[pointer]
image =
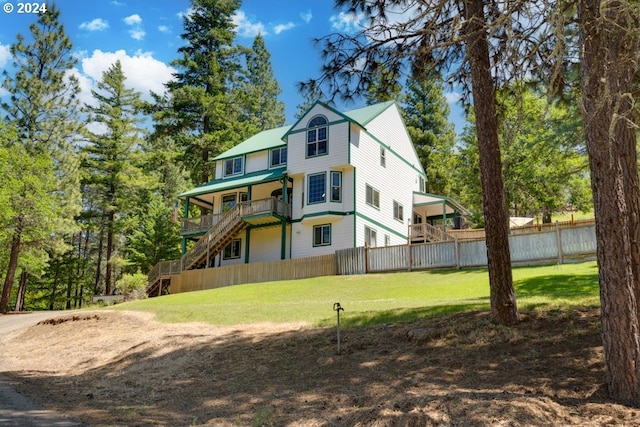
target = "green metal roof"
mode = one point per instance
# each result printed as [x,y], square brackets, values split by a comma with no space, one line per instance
[364,115]
[261,141]
[241,181]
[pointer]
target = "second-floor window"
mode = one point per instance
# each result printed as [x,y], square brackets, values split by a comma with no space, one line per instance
[373,196]
[278,157]
[336,186]
[233,166]
[398,211]
[317,137]
[317,191]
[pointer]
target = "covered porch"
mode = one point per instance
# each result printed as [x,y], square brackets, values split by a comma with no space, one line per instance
[433,216]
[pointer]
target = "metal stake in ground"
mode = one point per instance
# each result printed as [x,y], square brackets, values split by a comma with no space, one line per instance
[338,309]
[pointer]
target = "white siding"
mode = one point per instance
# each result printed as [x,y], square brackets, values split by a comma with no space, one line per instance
[266,243]
[341,236]
[395,181]
[256,162]
[337,151]
[317,110]
[389,128]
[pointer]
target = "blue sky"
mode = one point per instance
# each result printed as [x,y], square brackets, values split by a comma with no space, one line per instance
[145,35]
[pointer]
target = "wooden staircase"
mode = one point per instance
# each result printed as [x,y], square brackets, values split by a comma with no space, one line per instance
[215,240]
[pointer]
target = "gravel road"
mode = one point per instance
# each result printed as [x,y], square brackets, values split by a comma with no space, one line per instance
[15,408]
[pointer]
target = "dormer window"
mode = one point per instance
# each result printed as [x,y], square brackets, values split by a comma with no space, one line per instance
[233,166]
[278,157]
[317,137]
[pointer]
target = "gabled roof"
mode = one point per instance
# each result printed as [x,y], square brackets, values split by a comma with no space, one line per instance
[240,181]
[264,140]
[363,116]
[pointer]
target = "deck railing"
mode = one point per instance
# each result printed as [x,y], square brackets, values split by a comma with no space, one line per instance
[164,268]
[428,232]
[200,223]
[229,221]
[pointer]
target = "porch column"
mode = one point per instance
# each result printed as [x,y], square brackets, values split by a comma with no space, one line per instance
[444,216]
[285,181]
[186,215]
[283,240]
[247,241]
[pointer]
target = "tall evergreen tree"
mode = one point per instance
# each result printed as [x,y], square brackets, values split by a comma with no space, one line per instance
[261,90]
[112,159]
[205,113]
[43,105]
[426,113]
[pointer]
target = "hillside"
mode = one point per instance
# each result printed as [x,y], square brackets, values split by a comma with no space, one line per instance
[124,368]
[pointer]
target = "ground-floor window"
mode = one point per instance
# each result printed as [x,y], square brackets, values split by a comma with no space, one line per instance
[370,236]
[232,251]
[322,235]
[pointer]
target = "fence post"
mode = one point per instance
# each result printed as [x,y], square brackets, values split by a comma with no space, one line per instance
[366,259]
[559,243]
[456,251]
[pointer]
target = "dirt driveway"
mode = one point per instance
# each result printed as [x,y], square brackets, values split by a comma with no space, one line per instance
[16,409]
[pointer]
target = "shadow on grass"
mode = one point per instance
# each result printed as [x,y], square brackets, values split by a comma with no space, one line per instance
[558,286]
[402,315]
[546,371]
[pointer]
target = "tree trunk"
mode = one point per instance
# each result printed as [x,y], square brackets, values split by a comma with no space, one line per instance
[22,290]
[11,268]
[503,301]
[108,276]
[96,283]
[607,82]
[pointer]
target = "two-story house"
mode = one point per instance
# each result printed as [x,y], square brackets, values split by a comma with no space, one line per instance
[332,180]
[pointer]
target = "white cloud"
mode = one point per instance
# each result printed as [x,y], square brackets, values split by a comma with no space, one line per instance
[137,34]
[347,22]
[306,16]
[134,19]
[5,55]
[283,27]
[97,24]
[164,29]
[246,28]
[144,73]
[452,97]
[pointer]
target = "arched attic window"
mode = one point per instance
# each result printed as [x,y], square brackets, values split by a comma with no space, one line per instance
[317,136]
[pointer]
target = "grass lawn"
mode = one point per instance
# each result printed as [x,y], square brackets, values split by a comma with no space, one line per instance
[373,298]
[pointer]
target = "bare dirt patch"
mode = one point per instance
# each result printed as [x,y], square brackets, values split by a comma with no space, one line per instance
[112,368]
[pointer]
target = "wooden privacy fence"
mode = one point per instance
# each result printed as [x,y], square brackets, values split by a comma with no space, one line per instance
[288,269]
[556,245]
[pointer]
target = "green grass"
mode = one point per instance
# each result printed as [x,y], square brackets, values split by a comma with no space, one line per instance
[374,298]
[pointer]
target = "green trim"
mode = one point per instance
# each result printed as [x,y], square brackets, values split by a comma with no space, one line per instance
[392,151]
[283,239]
[379,224]
[355,211]
[335,122]
[247,239]
[246,218]
[324,213]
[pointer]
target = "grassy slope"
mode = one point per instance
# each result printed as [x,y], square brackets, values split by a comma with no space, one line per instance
[373,298]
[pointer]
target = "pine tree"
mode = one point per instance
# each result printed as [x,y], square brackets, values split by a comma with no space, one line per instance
[426,115]
[112,159]
[260,90]
[205,114]
[43,106]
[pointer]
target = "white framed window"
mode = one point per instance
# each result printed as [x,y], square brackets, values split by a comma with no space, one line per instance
[233,166]
[232,250]
[421,183]
[336,186]
[278,157]
[317,188]
[317,137]
[383,157]
[372,196]
[398,211]
[370,236]
[387,240]
[322,235]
